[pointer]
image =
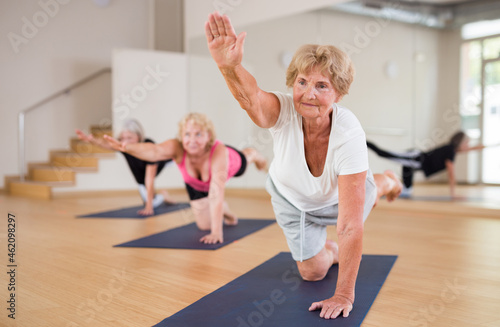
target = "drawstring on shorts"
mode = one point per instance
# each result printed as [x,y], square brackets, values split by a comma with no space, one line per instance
[302,233]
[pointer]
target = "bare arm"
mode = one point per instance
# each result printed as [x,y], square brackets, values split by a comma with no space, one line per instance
[350,231]
[149,181]
[90,139]
[170,149]
[450,168]
[216,195]
[227,51]
[472,148]
[476,147]
[350,235]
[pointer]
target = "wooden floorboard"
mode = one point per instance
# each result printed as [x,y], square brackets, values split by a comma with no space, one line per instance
[69,274]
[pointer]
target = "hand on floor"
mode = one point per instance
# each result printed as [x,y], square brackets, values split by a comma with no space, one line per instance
[333,307]
[212,238]
[146,212]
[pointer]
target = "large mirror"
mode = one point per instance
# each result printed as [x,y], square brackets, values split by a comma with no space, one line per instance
[411,72]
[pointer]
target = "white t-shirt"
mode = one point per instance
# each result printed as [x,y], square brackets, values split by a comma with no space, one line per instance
[347,154]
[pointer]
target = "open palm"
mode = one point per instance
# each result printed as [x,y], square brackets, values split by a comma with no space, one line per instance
[225,47]
[115,144]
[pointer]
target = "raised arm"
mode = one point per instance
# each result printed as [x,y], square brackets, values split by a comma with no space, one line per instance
[90,139]
[170,149]
[471,148]
[477,147]
[227,51]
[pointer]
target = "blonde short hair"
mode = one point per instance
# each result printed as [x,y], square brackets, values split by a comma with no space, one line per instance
[135,127]
[202,121]
[328,59]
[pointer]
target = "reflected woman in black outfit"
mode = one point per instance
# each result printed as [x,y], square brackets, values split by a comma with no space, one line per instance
[430,162]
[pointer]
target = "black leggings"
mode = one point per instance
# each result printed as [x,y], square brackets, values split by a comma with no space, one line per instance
[411,161]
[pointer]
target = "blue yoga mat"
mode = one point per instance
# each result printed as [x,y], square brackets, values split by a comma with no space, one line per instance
[188,236]
[273,294]
[131,212]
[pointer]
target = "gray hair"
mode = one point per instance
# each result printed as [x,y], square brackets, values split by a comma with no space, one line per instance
[135,127]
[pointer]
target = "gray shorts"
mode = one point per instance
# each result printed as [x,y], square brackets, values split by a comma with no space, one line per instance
[305,232]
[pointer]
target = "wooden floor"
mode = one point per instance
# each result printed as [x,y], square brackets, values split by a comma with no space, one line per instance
[68,274]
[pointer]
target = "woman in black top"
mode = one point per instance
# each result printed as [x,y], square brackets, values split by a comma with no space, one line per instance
[144,172]
[429,162]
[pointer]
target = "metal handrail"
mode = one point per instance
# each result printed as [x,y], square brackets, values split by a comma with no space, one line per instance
[44,101]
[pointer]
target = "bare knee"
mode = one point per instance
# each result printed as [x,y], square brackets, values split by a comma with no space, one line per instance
[201,215]
[202,221]
[202,226]
[311,274]
[249,154]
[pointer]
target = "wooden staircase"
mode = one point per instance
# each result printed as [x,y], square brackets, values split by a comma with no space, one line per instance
[60,171]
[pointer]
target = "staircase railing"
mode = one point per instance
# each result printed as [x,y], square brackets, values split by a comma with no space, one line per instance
[42,102]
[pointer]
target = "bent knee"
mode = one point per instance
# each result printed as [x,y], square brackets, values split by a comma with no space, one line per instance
[202,226]
[312,275]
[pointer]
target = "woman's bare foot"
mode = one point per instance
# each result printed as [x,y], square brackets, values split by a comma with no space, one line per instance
[168,198]
[260,162]
[252,155]
[333,247]
[230,219]
[395,186]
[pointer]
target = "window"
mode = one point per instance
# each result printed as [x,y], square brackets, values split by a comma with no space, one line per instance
[480,77]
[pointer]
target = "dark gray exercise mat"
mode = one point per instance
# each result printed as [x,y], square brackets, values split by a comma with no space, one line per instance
[131,212]
[188,236]
[273,294]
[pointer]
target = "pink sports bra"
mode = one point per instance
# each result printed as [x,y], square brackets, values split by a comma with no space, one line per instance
[234,165]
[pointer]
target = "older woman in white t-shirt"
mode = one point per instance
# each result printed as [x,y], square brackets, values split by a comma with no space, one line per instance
[319,174]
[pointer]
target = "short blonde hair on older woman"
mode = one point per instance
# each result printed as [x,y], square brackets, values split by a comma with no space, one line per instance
[328,59]
[202,121]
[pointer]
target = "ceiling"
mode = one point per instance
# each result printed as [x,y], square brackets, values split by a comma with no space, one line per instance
[440,14]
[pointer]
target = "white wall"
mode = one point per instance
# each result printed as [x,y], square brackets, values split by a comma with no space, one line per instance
[75,40]
[169,25]
[157,83]
[243,12]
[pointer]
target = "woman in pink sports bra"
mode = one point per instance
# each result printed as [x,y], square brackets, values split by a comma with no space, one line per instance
[205,164]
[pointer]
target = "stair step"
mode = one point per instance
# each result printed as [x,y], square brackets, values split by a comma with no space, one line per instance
[72,159]
[80,146]
[60,167]
[33,189]
[101,127]
[84,169]
[26,189]
[102,155]
[48,173]
[100,131]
